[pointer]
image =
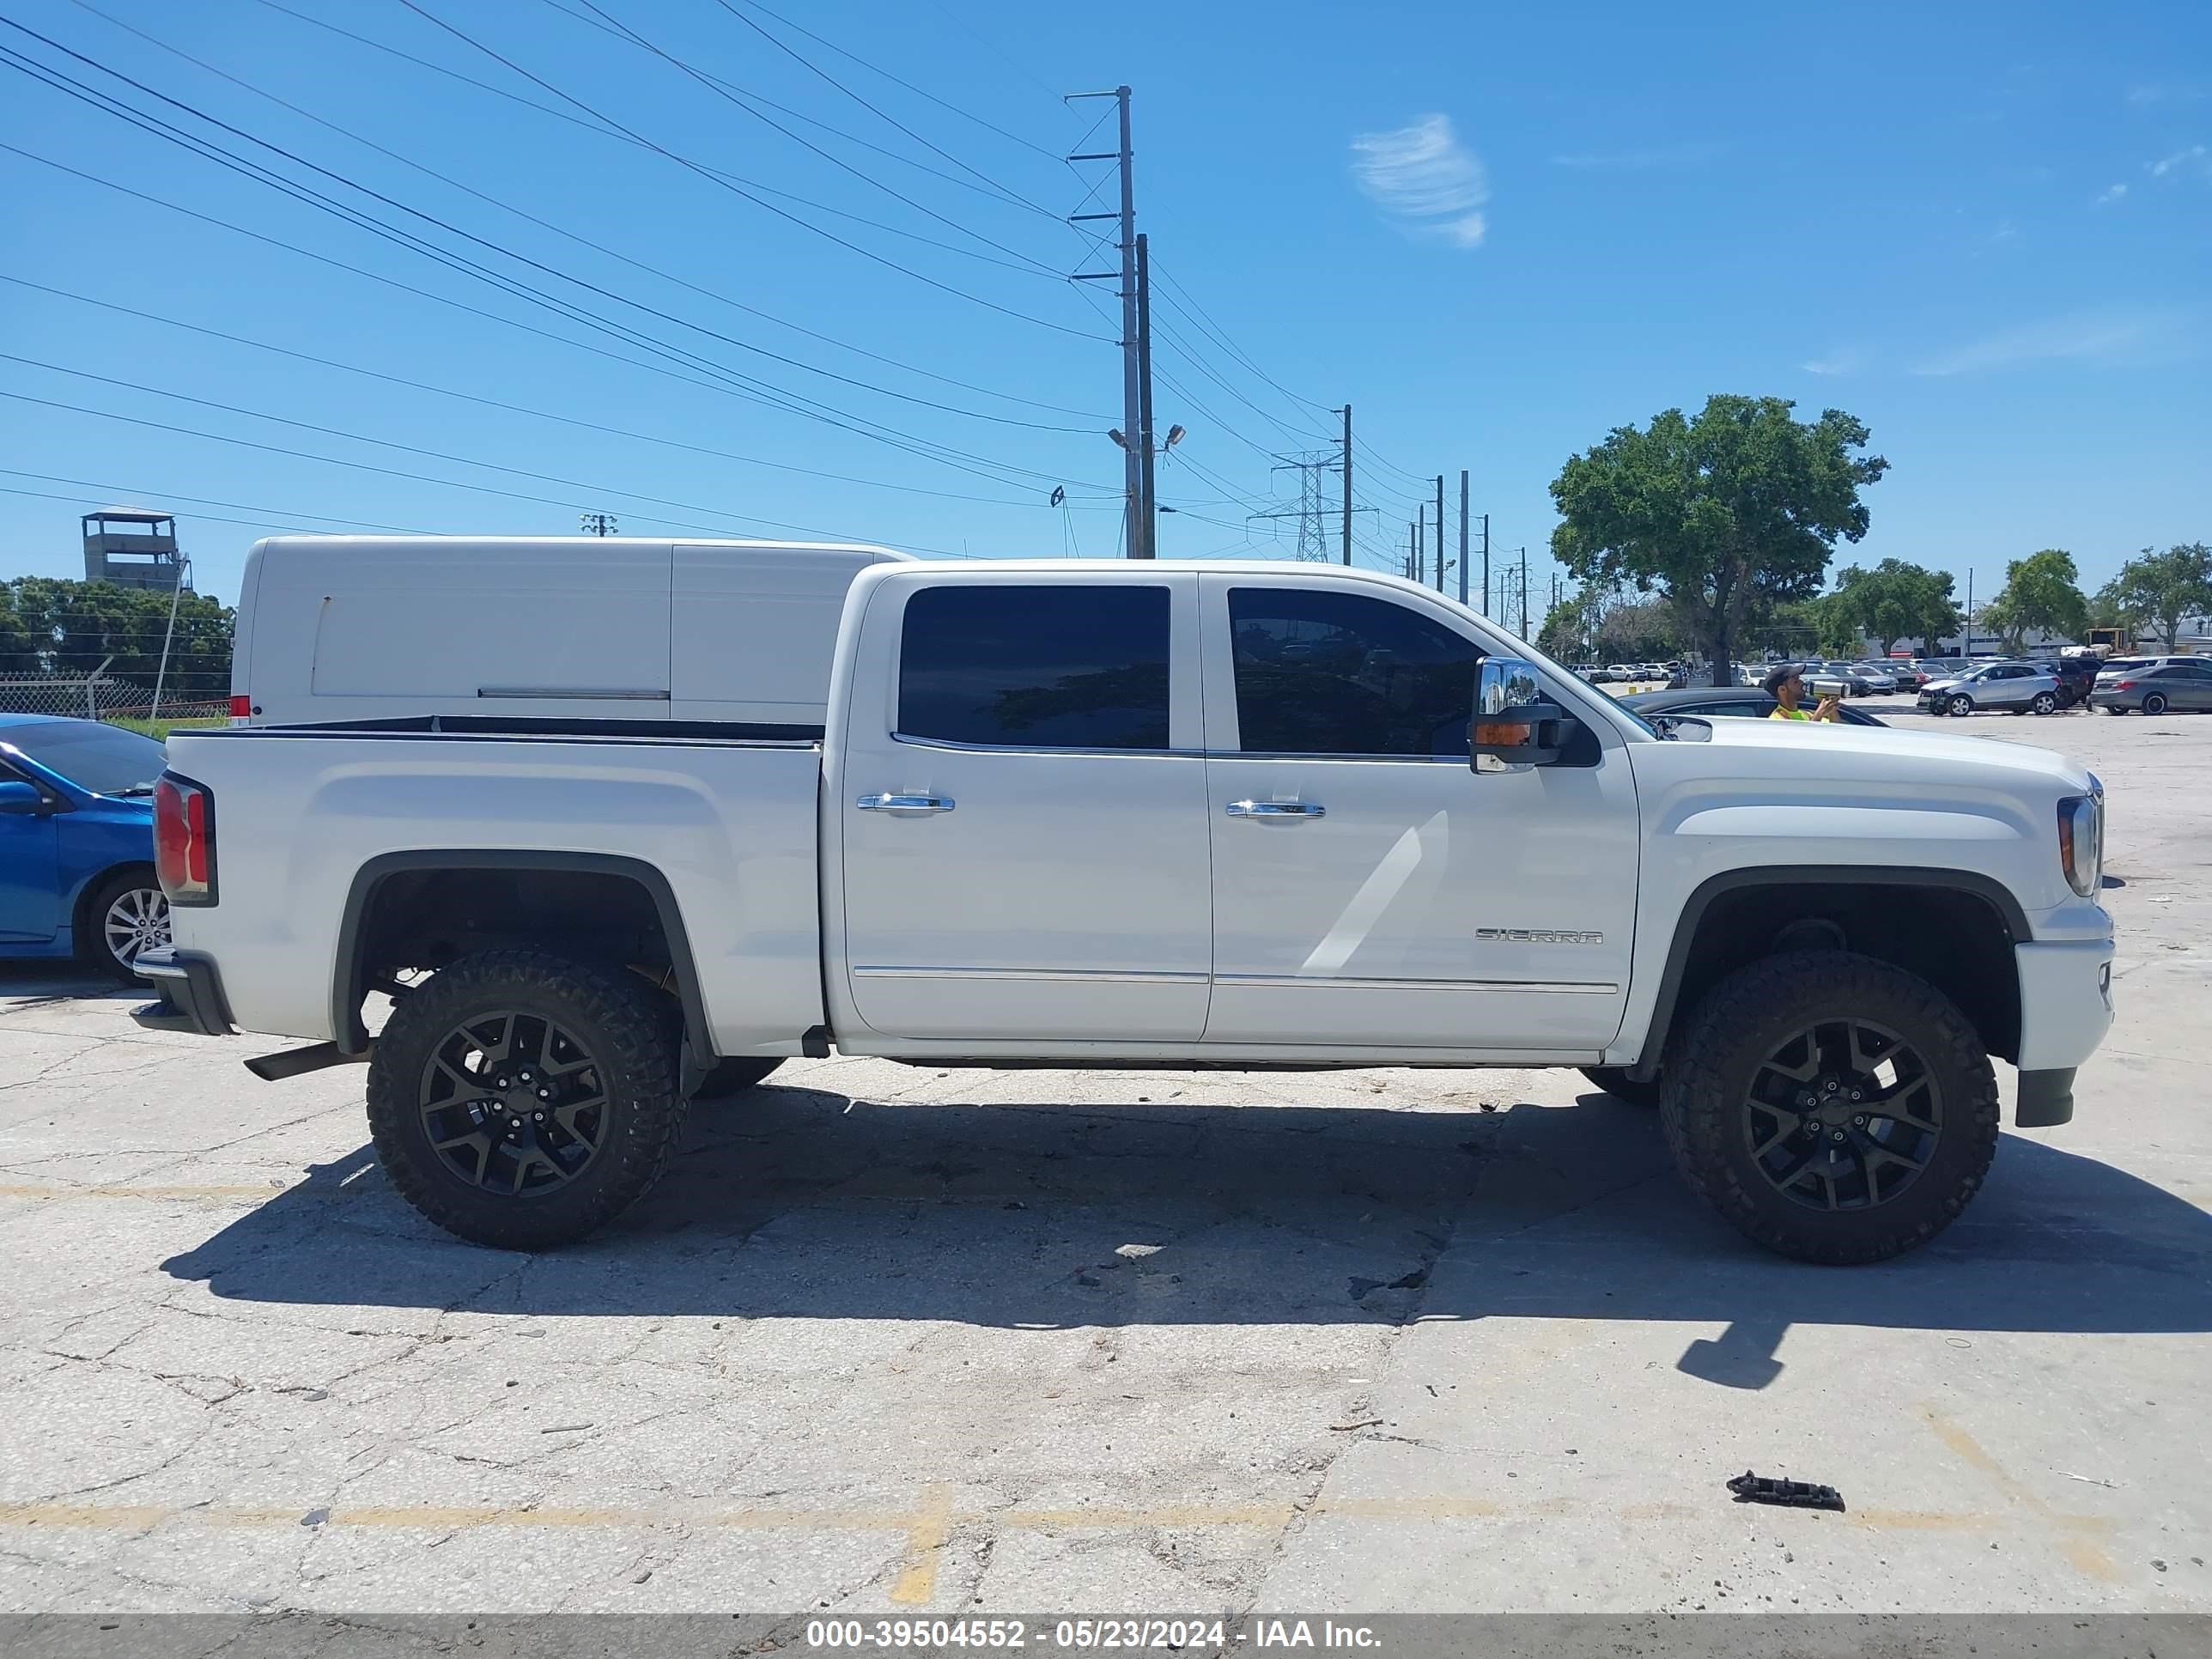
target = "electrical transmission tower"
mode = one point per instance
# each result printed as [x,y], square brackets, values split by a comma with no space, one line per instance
[1313,468]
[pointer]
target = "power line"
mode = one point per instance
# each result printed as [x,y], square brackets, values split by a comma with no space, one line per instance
[704,173]
[919,92]
[264,175]
[745,98]
[929,449]
[600,130]
[198,501]
[493,403]
[449,483]
[583,241]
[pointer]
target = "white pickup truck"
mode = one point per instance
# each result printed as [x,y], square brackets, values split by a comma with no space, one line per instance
[1208,814]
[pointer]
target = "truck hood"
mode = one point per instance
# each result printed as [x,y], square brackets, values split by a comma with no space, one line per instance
[1886,756]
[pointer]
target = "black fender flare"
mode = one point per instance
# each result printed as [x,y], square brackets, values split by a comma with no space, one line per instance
[350,971]
[1987,887]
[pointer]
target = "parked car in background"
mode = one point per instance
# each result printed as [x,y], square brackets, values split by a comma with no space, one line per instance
[2172,683]
[1879,676]
[2077,677]
[2113,667]
[1730,702]
[76,844]
[2018,688]
[1924,669]
[1620,673]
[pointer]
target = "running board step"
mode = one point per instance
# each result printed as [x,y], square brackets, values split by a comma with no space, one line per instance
[297,1062]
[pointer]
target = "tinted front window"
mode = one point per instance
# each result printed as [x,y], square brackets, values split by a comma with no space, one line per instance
[1036,667]
[1330,674]
[104,759]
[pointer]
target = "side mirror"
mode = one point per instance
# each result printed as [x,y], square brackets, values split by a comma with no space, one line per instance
[20,800]
[1515,725]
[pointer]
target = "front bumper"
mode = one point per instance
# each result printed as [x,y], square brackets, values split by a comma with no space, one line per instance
[188,981]
[2065,1002]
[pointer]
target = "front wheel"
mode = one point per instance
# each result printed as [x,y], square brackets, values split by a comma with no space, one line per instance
[520,1099]
[2109,709]
[128,917]
[1616,1082]
[1831,1107]
[2155,703]
[1961,704]
[2044,703]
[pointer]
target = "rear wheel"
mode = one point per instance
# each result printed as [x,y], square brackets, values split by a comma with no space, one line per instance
[2044,703]
[126,917]
[2155,703]
[520,1099]
[1831,1107]
[1616,1082]
[1960,704]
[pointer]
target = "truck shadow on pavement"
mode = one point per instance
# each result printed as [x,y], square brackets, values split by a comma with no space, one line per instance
[791,1203]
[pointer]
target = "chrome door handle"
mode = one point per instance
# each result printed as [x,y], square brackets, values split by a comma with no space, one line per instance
[1276,809]
[906,806]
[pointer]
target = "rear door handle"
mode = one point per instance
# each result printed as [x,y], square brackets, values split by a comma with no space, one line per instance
[1276,809]
[906,806]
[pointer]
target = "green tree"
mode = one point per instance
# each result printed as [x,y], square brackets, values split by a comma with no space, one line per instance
[73,627]
[2041,592]
[1835,626]
[1562,632]
[2161,588]
[1726,514]
[1895,601]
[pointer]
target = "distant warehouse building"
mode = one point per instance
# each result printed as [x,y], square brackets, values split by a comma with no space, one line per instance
[131,547]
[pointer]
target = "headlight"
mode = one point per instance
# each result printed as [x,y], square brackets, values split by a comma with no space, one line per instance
[2081,842]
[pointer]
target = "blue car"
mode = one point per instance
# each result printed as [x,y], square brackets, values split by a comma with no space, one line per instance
[76,844]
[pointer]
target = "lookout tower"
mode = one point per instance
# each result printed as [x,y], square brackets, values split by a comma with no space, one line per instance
[131,547]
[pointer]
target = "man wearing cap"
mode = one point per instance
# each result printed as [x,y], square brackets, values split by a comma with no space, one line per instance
[1785,684]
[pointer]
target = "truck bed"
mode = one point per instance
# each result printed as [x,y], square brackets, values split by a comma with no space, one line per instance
[728,816]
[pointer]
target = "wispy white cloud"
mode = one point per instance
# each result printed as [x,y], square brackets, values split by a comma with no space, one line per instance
[2195,159]
[1849,361]
[2154,92]
[2113,193]
[1425,181]
[1641,161]
[2099,338]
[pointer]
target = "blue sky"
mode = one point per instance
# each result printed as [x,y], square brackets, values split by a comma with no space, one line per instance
[1499,231]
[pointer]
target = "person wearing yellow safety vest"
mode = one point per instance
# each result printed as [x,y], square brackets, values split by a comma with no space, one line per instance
[1785,684]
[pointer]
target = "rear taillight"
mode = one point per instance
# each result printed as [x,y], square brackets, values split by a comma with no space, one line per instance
[242,707]
[183,840]
[2124,685]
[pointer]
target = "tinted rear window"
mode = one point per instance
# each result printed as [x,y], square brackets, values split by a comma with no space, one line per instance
[1042,667]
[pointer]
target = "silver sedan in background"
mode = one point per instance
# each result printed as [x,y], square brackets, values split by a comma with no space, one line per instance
[2018,688]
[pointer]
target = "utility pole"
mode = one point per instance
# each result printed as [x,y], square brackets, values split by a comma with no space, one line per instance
[598,523]
[1440,533]
[1413,552]
[1420,541]
[1346,527]
[1462,537]
[1152,501]
[1486,564]
[1968,650]
[1524,592]
[1135,455]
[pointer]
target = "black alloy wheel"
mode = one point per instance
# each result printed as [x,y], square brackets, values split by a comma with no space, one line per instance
[513,1103]
[1842,1115]
[2155,703]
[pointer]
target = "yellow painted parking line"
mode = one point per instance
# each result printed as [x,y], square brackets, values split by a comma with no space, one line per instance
[917,1580]
[2083,1551]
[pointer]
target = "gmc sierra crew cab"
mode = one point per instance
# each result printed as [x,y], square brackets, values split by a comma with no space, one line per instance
[1210,814]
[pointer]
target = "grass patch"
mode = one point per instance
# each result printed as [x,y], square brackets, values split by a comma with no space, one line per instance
[160,729]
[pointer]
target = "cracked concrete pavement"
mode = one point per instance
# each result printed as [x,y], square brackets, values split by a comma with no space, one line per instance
[961,1340]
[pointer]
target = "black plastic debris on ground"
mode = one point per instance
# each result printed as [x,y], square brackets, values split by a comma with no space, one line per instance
[1751,1488]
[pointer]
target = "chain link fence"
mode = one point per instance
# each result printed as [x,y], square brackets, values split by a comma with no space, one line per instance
[105,697]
